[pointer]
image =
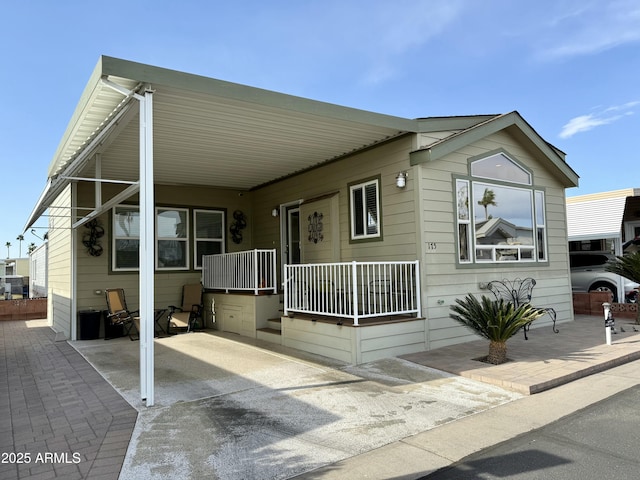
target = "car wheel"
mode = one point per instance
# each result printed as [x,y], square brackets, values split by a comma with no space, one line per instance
[605,287]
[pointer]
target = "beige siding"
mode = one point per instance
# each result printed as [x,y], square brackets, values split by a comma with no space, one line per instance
[59,271]
[323,245]
[443,281]
[398,206]
[355,345]
[94,274]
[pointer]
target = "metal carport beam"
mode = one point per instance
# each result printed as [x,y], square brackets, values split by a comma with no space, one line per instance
[126,193]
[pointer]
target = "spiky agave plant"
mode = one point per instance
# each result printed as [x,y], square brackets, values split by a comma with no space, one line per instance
[495,320]
[629,267]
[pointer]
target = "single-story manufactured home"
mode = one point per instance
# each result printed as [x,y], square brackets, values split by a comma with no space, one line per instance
[358,229]
[604,221]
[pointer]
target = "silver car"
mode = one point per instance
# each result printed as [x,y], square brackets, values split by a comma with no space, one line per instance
[588,274]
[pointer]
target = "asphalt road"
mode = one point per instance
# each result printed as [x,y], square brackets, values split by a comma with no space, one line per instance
[599,442]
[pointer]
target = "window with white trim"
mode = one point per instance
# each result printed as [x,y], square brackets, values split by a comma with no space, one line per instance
[172,238]
[208,239]
[500,205]
[365,210]
[126,238]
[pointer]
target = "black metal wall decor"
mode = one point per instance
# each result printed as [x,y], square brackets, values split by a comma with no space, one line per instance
[239,224]
[90,239]
[315,227]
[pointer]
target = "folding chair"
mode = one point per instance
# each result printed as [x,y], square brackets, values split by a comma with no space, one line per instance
[119,314]
[191,311]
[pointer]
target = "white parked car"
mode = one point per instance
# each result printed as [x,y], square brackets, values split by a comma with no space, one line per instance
[588,274]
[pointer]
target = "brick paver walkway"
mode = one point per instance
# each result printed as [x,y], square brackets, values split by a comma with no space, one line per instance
[60,418]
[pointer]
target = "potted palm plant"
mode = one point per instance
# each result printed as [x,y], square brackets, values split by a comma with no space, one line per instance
[495,320]
[627,266]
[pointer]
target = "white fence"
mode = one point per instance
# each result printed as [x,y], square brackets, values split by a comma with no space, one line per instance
[252,270]
[353,290]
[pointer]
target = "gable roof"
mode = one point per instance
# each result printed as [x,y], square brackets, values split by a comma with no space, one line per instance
[473,129]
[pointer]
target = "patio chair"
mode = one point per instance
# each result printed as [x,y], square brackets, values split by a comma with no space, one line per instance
[119,314]
[191,310]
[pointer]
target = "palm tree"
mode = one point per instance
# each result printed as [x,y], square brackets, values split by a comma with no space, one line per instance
[495,320]
[31,248]
[20,238]
[8,245]
[629,267]
[488,198]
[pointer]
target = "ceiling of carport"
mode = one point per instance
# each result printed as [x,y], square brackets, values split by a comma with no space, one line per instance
[209,141]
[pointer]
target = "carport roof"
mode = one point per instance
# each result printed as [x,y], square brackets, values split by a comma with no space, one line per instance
[208,119]
[206,131]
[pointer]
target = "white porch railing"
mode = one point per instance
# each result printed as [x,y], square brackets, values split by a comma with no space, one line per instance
[353,290]
[251,270]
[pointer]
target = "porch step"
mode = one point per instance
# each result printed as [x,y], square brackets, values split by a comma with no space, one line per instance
[269,335]
[275,323]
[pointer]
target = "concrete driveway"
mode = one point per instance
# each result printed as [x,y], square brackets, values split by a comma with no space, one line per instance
[234,408]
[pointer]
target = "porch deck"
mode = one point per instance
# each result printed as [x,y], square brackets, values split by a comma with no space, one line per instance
[348,322]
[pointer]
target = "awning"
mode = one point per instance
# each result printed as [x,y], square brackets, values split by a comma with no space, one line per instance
[595,219]
[206,131]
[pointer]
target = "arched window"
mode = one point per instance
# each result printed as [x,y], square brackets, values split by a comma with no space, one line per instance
[500,214]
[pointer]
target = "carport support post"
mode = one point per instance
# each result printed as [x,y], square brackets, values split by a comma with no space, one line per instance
[147,248]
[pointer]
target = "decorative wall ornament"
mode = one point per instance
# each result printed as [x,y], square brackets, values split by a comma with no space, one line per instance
[90,239]
[315,227]
[239,224]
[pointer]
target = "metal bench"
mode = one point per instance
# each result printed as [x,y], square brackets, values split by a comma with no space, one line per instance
[519,292]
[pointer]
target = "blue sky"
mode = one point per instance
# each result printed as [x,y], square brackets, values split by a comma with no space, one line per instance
[570,67]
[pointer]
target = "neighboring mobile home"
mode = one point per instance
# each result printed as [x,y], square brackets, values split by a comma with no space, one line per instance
[158,167]
[604,221]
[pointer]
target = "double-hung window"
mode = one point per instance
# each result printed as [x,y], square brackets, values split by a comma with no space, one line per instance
[365,210]
[174,237]
[208,227]
[126,238]
[500,215]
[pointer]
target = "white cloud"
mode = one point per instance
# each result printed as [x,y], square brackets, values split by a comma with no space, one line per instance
[384,33]
[584,123]
[591,27]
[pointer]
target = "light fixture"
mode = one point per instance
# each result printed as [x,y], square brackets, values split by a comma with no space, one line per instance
[401,180]
[274,212]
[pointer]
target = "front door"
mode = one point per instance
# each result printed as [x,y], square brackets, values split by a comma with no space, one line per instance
[290,245]
[293,236]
